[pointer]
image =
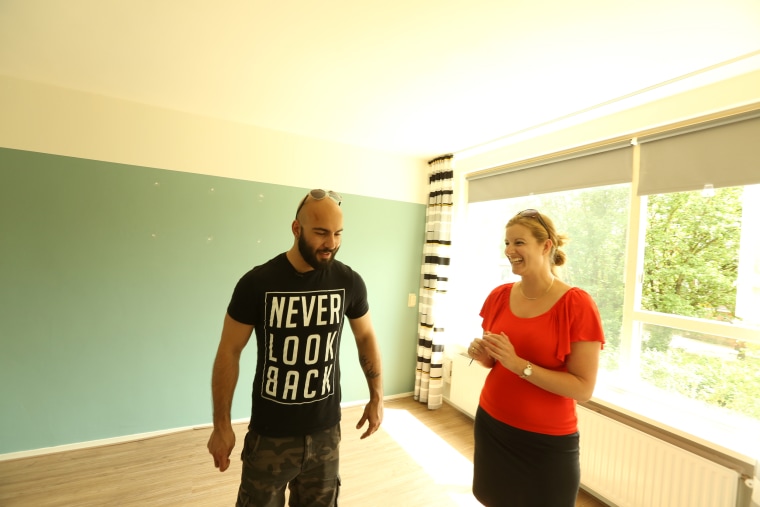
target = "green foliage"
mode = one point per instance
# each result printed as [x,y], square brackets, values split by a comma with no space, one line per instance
[596,223]
[730,384]
[690,269]
[657,338]
[691,259]
[691,264]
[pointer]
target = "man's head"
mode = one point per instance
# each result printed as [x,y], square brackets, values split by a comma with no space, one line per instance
[317,230]
[318,194]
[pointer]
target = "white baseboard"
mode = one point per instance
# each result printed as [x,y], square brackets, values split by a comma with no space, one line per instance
[102,442]
[141,436]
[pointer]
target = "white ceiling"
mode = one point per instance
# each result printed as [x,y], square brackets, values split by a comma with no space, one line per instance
[416,77]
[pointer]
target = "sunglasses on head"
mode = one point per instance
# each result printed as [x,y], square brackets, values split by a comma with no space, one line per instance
[533,213]
[318,194]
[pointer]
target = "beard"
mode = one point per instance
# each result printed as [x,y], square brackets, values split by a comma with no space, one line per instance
[310,255]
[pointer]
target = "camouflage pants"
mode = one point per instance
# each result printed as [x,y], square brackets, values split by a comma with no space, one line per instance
[307,465]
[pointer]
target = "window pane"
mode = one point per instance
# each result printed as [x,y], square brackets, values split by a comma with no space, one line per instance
[696,248]
[723,373]
[596,222]
[702,260]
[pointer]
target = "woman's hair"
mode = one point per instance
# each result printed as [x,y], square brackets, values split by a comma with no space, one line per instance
[542,228]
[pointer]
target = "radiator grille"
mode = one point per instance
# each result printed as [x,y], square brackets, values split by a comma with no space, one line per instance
[630,468]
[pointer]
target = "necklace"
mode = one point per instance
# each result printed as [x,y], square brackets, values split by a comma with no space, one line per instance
[537,297]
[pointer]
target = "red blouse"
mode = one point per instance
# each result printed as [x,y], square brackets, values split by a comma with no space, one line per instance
[544,341]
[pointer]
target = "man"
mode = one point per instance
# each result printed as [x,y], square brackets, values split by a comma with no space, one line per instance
[296,303]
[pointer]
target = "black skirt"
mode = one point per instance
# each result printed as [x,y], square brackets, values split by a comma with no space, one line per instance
[518,468]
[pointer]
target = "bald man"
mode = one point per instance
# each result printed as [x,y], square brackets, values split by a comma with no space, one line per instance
[296,303]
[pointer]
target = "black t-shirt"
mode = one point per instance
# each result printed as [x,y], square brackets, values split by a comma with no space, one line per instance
[298,320]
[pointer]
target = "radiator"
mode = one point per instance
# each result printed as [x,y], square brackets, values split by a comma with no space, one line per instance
[466,383]
[629,468]
[622,465]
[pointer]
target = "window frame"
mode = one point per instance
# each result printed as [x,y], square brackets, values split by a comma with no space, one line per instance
[659,412]
[633,315]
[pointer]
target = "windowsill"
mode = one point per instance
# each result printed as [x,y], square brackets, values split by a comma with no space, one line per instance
[734,436]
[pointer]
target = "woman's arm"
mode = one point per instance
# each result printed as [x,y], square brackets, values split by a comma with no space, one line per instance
[577,382]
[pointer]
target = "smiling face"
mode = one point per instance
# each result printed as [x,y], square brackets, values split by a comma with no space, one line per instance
[318,254]
[524,251]
[317,232]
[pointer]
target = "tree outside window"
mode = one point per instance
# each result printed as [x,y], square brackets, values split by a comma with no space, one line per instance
[692,263]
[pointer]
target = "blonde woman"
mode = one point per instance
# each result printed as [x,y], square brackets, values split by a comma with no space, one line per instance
[541,340]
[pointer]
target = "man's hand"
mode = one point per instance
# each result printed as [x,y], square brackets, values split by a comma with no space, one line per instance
[373,413]
[235,336]
[220,446]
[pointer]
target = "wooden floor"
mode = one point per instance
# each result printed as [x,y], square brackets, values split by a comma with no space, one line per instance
[395,467]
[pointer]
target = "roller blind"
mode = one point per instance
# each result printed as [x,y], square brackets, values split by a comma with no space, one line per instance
[724,153]
[606,165]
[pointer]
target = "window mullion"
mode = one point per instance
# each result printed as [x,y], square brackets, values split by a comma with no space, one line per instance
[697,325]
[630,334]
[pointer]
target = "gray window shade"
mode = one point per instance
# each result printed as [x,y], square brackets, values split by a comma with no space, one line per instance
[606,165]
[724,153]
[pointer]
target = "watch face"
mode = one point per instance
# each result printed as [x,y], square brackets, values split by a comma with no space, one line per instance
[527,371]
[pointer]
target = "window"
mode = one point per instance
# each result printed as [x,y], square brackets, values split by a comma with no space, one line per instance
[674,269]
[595,220]
[692,253]
[697,324]
[701,271]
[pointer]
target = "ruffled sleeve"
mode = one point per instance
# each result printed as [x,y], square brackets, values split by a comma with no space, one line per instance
[577,319]
[496,300]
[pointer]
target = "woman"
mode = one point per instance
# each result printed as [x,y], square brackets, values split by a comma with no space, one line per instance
[541,339]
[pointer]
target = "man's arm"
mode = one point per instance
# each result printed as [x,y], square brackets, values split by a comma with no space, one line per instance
[371,363]
[224,378]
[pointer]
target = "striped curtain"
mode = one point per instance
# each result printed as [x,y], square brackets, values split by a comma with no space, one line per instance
[428,387]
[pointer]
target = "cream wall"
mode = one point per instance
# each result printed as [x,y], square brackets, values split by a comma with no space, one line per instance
[723,90]
[49,119]
[664,106]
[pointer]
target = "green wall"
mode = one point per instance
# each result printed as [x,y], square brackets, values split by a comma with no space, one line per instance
[115,279]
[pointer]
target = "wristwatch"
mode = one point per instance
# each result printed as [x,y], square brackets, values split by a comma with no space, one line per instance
[528,371]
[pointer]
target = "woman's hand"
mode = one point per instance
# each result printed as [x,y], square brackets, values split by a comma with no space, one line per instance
[501,349]
[477,351]
[577,382]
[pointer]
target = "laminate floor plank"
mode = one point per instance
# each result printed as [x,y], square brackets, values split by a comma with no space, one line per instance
[418,458]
